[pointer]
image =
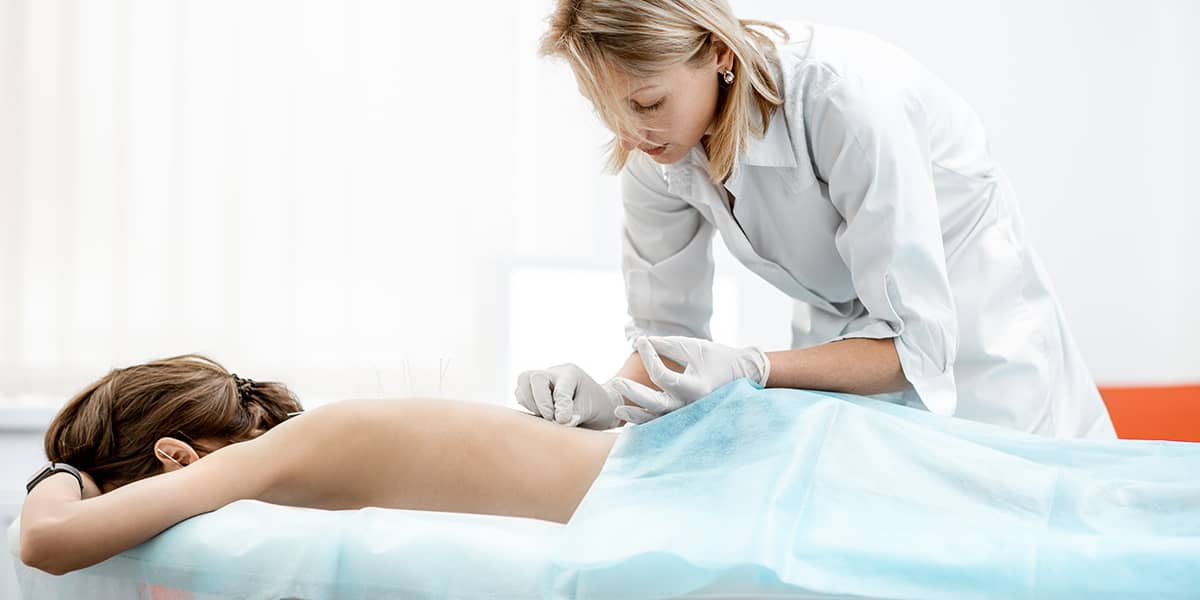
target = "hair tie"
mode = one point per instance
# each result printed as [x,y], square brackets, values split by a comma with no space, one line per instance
[244,387]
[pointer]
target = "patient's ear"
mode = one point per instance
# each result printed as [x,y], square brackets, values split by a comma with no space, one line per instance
[174,454]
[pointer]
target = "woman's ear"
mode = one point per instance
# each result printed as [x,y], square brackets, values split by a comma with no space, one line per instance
[723,54]
[174,454]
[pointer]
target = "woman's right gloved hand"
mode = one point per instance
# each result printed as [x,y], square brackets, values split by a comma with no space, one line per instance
[567,395]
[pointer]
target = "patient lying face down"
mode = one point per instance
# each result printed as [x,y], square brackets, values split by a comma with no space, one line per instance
[162,441]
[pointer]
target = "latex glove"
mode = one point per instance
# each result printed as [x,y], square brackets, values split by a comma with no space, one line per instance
[567,395]
[707,366]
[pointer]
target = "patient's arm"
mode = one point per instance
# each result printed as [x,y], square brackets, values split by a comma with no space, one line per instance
[414,453]
[61,533]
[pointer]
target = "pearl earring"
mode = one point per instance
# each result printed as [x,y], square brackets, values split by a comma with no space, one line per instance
[728,77]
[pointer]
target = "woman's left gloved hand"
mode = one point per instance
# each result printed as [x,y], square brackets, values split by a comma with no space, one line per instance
[707,366]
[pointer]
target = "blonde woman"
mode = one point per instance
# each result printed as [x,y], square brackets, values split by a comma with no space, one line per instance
[844,173]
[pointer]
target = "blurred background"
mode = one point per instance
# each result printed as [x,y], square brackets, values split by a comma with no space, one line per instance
[370,199]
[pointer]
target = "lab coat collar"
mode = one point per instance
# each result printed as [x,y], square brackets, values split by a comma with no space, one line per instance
[773,149]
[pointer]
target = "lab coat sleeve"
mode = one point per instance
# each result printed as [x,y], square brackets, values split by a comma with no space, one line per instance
[870,146]
[666,257]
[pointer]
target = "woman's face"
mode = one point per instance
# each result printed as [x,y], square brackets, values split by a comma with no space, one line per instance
[675,108]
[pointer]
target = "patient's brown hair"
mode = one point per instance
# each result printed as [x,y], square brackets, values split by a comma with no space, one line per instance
[109,429]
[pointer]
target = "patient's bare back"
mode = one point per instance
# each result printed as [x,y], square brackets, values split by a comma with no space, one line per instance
[432,454]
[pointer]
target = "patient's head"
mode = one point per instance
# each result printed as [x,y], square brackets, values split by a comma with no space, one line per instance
[154,417]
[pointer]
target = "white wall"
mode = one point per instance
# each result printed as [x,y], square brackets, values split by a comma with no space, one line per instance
[1091,109]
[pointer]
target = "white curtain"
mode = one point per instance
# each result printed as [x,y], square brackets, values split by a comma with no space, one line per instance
[318,192]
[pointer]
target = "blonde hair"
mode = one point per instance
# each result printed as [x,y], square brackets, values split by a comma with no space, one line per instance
[643,38]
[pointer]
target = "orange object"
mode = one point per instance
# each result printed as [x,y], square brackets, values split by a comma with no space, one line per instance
[1155,412]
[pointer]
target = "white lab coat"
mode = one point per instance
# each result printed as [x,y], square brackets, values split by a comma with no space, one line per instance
[874,202]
